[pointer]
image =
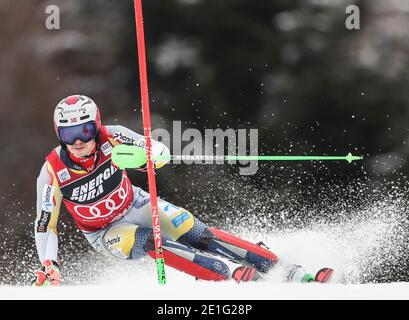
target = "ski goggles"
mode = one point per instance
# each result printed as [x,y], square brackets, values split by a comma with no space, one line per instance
[84,132]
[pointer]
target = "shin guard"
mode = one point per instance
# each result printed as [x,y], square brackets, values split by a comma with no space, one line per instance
[222,243]
[191,261]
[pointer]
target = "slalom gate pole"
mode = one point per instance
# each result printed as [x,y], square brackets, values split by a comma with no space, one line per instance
[160,261]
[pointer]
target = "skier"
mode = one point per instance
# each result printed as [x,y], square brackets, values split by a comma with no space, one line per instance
[115,216]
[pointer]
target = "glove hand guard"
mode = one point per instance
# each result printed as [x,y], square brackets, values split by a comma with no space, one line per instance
[48,275]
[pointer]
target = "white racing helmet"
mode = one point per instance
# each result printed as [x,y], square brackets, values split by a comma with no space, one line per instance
[76,117]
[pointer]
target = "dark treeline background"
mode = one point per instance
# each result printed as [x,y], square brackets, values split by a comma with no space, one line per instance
[289,68]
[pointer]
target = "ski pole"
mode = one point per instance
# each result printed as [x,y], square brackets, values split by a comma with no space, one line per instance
[160,261]
[349,157]
[131,157]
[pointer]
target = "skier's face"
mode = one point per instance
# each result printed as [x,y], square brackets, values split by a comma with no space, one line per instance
[81,149]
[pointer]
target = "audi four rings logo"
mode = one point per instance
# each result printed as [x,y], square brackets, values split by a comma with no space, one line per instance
[105,207]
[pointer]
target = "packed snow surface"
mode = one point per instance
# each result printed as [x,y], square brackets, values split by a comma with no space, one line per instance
[353,249]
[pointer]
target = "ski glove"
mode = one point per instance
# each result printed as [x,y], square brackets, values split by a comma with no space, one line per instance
[48,275]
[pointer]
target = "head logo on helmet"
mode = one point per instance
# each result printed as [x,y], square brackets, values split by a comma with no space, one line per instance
[76,110]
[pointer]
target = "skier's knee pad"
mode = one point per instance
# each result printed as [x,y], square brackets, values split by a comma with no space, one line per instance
[144,242]
[120,239]
[194,235]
